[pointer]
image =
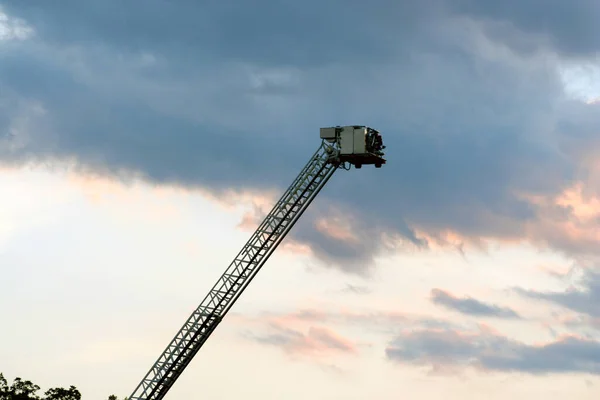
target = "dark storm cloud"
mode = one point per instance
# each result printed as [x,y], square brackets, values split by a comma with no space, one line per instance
[208,94]
[585,299]
[264,31]
[120,136]
[292,32]
[493,352]
[570,27]
[471,306]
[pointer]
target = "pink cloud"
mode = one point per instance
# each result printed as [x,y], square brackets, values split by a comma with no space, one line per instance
[313,342]
[312,332]
[337,227]
[568,222]
[317,335]
[103,191]
[319,340]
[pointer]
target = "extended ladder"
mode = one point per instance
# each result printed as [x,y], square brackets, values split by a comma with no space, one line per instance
[238,275]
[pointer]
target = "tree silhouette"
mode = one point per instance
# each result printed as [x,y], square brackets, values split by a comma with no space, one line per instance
[19,390]
[63,394]
[26,390]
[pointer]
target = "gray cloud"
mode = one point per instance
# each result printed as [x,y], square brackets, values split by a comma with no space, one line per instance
[495,353]
[354,289]
[265,33]
[203,94]
[584,299]
[214,28]
[470,306]
[569,27]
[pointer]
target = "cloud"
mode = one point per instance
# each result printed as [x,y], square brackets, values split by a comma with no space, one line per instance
[210,96]
[569,28]
[492,352]
[316,342]
[470,306]
[582,298]
[341,236]
[583,324]
[214,29]
[13,28]
[356,289]
[382,322]
[421,341]
[319,336]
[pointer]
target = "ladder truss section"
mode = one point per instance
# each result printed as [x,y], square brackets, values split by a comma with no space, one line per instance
[238,275]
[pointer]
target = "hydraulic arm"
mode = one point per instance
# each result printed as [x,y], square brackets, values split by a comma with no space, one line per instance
[330,155]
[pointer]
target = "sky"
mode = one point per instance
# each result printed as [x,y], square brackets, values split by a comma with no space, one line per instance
[141,142]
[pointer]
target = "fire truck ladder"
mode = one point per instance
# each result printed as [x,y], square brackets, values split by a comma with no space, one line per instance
[263,242]
[238,275]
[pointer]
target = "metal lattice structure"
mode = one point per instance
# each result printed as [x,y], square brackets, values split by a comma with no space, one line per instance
[203,321]
[238,275]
